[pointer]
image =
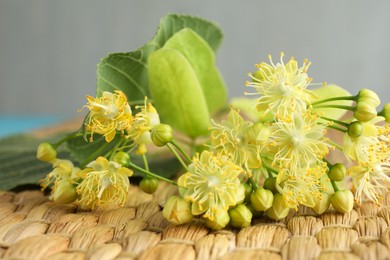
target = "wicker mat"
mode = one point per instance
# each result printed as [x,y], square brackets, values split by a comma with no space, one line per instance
[32,227]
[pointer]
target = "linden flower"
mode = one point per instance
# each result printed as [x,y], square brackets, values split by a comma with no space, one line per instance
[62,170]
[298,143]
[302,188]
[105,184]
[371,146]
[371,182]
[108,114]
[144,121]
[283,87]
[211,184]
[240,140]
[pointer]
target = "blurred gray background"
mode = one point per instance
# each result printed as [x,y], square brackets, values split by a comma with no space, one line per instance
[49,48]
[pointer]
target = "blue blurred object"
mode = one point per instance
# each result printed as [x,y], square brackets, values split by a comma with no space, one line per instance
[17,124]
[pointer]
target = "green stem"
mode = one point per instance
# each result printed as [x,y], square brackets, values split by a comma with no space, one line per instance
[335,121]
[336,128]
[181,150]
[170,146]
[145,162]
[350,108]
[253,183]
[112,151]
[270,169]
[67,138]
[151,174]
[335,145]
[334,185]
[334,99]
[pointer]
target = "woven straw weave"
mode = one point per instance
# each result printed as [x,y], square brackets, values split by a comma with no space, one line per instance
[32,227]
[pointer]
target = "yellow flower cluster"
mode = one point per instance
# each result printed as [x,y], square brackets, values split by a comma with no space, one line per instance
[282,87]
[212,185]
[111,113]
[104,184]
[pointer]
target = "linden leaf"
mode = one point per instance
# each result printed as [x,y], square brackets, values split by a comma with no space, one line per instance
[128,71]
[329,91]
[202,59]
[182,106]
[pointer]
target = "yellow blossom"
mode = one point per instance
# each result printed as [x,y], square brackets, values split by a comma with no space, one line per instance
[371,146]
[144,121]
[298,143]
[371,182]
[241,140]
[282,87]
[108,114]
[105,184]
[62,170]
[302,188]
[212,184]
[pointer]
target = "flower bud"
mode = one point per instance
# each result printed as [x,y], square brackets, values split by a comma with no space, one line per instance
[46,152]
[220,221]
[368,96]
[148,185]
[364,111]
[355,129]
[270,184]
[279,209]
[337,172]
[248,191]
[255,213]
[262,199]
[342,201]
[122,158]
[64,192]
[177,210]
[240,216]
[322,204]
[161,134]
[386,112]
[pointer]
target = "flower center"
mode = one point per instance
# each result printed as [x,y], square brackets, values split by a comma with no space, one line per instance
[296,140]
[213,181]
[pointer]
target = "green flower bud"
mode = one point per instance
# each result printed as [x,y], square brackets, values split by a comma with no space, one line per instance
[240,196]
[46,152]
[342,201]
[64,192]
[262,199]
[322,204]
[122,158]
[161,134]
[270,184]
[148,185]
[369,96]
[221,220]
[364,111]
[240,216]
[255,213]
[337,172]
[177,210]
[248,191]
[386,112]
[279,209]
[355,129]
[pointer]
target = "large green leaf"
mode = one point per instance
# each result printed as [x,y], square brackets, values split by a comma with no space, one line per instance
[330,91]
[128,71]
[177,93]
[202,59]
